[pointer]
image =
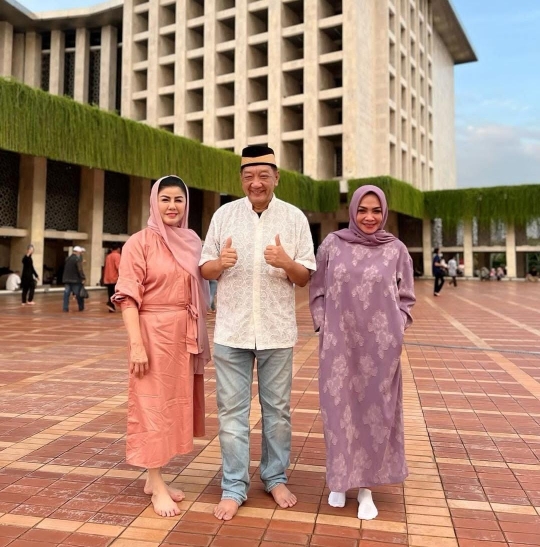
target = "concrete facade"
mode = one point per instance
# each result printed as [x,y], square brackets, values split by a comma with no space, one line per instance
[339,88]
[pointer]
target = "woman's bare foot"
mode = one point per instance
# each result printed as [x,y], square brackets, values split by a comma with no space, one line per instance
[175,493]
[226,509]
[283,496]
[163,504]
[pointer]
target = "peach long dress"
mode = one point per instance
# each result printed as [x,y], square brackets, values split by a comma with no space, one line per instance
[166,406]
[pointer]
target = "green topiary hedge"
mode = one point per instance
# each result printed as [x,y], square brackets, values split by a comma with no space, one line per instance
[514,204]
[37,123]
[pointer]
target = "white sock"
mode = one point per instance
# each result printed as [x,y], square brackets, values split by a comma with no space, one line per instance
[366,507]
[336,499]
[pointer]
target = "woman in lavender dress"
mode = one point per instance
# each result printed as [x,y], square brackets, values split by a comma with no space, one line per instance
[361,297]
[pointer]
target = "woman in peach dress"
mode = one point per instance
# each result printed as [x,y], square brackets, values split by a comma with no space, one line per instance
[163,301]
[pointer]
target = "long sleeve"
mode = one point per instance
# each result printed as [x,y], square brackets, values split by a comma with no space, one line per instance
[317,287]
[211,248]
[304,252]
[80,269]
[405,279]
[132,272]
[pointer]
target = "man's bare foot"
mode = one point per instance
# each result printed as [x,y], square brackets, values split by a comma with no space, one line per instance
[226,509]
[283,496]
[175,493]
[164,506]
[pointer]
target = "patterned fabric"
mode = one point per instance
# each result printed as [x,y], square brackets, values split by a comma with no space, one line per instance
[361,299]
[256,307]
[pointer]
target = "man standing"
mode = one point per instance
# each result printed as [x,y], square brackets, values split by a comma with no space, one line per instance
[258,247]
[438,272]
[110,273]
[73,278]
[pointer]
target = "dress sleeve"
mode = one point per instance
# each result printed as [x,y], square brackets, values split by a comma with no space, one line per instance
[132,273]
[317,287]
[304,253]
[211,248]
[405,281]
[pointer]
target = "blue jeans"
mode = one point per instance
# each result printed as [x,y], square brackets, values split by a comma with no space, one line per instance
[75,289]
[213,290]
[234,376]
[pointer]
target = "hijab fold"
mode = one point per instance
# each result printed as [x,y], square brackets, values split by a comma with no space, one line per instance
[353,234]
[185,246]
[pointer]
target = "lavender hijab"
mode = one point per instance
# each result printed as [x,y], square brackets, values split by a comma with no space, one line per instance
[353,234]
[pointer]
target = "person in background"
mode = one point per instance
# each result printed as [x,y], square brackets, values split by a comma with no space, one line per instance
[213,291]
[29,277]
[438,271]
[499,273]
[74,278]
[13,281]
[453,270]
[532,275]
[110,273]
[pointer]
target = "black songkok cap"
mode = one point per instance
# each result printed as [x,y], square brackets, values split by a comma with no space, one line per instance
[258,155]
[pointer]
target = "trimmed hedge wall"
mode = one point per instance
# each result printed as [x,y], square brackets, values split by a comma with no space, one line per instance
[401,196]
[37,123]
[517,204]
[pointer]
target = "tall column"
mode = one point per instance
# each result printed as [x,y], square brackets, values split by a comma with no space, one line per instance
[209,127]
[107,69]
[359,39]
[274,77]
[91,221]
[58,55]
[128,46]
[468,258]
[139,203]
[511,263]
[426,245]
[241,80]
[311,89]
[180,68]
[32,192]
[329,224]
[154,67]
[82,65]
[32,59]
[392,224]
[19,45]
[6,48]
[211,202]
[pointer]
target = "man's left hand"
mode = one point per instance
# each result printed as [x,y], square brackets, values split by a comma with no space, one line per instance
[276,256]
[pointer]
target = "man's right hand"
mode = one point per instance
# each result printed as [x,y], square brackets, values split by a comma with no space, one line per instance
[228,256]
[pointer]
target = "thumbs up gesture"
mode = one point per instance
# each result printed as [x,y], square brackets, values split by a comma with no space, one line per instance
[228,256]
[275,255]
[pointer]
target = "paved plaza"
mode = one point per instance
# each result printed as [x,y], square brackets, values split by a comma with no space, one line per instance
[471,369]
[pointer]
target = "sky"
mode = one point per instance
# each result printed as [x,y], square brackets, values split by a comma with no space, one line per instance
[497,99]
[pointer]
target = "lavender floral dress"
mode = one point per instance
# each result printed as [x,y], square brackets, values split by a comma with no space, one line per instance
[361,297]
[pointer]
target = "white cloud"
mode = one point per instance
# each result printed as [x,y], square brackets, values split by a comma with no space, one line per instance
[490,155]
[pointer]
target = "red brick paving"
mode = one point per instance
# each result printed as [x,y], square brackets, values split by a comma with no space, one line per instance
[472,427]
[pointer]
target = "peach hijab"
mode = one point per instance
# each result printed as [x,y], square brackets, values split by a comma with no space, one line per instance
[185,246]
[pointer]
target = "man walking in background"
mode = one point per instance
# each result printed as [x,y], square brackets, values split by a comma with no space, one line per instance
[74,278]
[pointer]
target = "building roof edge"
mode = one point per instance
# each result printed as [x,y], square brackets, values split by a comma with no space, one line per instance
[448,26]
[97,15]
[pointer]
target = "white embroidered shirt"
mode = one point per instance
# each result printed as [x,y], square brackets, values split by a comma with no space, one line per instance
[255,301]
